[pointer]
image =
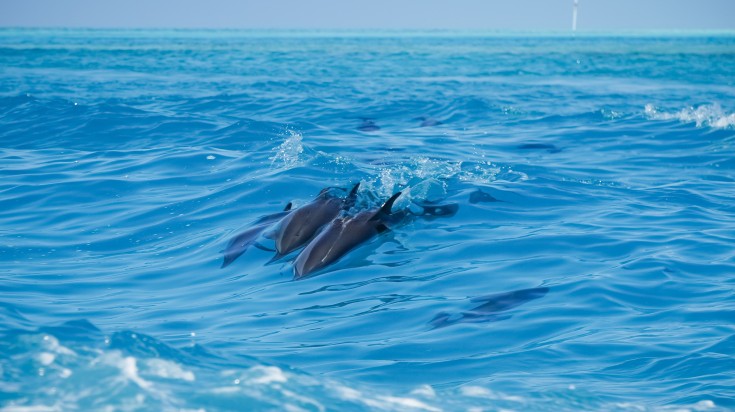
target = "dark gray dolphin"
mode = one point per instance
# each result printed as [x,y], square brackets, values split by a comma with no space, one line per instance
[340,236]
[491,307]
[240,243]
[368,125]
[303,223]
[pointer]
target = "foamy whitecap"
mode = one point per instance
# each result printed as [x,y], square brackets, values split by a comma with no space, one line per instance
[46,358]
[382,402]
[480,392]
[52,344]
[425,391]
[267,374]
[708,115]
[168,369]
[129,367]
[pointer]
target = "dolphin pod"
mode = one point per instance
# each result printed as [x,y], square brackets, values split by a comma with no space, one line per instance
[297,228]
[326,228]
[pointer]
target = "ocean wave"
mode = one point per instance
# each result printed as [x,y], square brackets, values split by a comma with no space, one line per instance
[75,366]
[706,115]
[129,159]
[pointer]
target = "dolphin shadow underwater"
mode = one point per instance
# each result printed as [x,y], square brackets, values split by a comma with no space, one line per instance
[491,308]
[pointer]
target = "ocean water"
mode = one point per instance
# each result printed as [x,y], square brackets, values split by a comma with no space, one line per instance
[600,167]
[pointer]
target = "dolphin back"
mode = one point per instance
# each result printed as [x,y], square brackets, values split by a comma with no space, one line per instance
[492,308]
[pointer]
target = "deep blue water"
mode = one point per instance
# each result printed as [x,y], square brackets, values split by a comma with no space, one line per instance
[128,159]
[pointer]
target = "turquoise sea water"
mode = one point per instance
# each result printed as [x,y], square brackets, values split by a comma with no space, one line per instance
[600,167]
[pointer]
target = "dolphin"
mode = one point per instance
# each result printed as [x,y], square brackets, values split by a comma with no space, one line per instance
[240,243]
[340,236]
[368,125]
[491,307]
[302,224]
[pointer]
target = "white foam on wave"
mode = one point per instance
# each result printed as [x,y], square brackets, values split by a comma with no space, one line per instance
[52,345]
[382,402]
[302,399]
[32,408]
[424,390]
[264,375]
[46,358]
[480,392]
[127,365]
[424,178]
[129,368]
[700,406]
[708,115]
[170,370]
[266,383]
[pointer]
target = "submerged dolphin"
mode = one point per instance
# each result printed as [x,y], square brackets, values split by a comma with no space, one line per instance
[240,243]
[340,236]
[303,223]
[368,125]
[488,311]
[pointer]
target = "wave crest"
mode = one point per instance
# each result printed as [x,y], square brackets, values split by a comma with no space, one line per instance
[707,115]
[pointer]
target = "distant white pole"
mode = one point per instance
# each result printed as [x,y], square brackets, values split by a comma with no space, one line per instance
[574,15]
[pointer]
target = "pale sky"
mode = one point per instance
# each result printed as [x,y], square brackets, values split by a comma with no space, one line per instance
[369,14]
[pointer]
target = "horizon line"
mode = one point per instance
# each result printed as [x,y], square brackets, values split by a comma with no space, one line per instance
[376,29]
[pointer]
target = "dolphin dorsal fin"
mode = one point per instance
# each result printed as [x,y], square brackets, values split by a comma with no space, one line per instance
[351,198]
[288,207]
[353,192]
[385,209]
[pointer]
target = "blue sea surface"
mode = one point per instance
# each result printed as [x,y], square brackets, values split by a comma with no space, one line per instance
[599,166]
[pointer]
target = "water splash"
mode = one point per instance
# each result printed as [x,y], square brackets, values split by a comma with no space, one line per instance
[288,154]
[708,115]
